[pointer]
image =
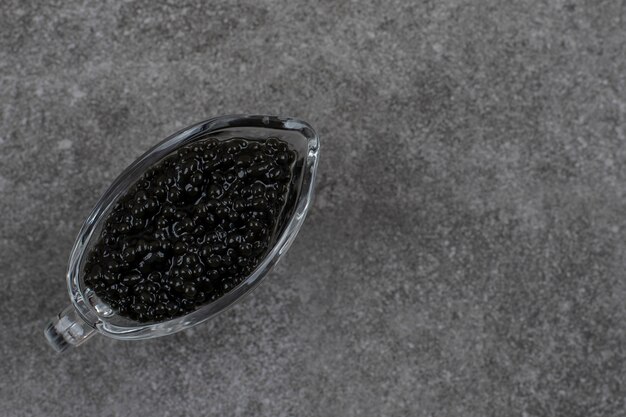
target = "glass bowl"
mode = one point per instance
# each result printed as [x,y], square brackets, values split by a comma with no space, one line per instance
[87,314]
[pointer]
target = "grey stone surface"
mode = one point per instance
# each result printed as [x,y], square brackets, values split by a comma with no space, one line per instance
[464,257]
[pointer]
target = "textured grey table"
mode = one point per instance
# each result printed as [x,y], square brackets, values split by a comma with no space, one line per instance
[464,257]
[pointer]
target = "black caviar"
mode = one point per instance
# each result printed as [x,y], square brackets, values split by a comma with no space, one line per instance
[192,227]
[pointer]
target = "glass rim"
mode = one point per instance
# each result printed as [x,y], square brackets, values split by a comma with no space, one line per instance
[136,330]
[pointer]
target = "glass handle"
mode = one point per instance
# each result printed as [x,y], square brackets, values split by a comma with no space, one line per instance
[67,329]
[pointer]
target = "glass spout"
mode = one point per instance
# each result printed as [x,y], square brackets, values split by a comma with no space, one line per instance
[67,329]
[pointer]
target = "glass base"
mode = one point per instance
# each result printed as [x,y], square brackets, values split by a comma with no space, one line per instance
[67,329]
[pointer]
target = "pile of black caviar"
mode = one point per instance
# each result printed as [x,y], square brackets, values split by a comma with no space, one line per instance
[192,227]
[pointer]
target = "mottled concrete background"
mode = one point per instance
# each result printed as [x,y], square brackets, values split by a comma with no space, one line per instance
[465,255]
